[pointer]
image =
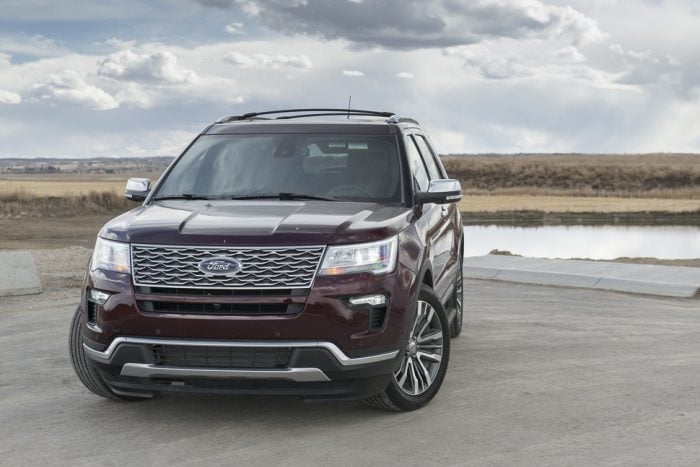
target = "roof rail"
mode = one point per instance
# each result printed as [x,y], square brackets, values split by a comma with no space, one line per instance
[311,112]
[399,119]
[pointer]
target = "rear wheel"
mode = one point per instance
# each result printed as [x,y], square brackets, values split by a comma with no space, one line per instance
[88,375]
[424,363]
[458,302]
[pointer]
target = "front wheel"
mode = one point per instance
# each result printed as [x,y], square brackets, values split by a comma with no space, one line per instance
[87,375]
[424,363]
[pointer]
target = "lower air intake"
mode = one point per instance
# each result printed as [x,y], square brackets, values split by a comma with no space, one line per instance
[221,357]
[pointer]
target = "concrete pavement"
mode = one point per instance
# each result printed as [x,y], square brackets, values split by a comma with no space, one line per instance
[670,281]
[18,274]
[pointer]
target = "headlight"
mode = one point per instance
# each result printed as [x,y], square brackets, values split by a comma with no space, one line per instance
[111,256]
[375,257]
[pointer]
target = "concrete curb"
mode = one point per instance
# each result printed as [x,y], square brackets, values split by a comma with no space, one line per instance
[668,281]
[18,274]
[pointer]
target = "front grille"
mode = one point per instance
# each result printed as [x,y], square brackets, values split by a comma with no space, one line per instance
[221,292]
[220,308]
[171,266]
[221,357]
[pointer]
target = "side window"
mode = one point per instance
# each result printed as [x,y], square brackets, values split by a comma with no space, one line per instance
[420,174]
[428,157]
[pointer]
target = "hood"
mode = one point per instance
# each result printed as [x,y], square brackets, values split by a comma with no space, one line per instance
[252,222]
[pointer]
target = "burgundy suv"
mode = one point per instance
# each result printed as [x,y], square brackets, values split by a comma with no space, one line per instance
[307,252]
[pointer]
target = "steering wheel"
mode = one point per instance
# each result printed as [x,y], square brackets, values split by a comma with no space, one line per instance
[349,190]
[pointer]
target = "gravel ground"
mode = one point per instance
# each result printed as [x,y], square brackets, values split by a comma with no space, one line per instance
[61,267]
[540,376]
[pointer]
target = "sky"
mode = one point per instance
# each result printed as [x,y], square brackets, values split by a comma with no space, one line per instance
[142,78]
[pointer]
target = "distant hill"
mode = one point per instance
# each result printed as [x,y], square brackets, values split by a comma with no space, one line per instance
[98,165]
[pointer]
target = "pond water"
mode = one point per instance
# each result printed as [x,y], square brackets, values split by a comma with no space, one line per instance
[595,242]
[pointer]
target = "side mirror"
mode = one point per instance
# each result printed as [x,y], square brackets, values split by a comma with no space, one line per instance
[137,189]
[441,192]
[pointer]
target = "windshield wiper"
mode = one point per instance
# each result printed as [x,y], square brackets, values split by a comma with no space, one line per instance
[283,196]
[187,196]
[305,196]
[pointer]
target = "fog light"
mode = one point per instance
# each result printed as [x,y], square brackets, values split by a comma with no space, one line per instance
[371,300]
[98,296]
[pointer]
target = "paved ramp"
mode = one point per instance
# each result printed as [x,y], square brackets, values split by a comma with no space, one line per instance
[18,274]
[670,281]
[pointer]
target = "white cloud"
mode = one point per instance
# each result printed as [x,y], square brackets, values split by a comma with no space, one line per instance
[644,67]
[135,95]
[8,97]
[71,88]
[250,8]
[265,61]
[159,67]
[234,28]
[573,25]
[404,75]
[568,54]
[485,62]
[354,73]
[5,60]
[36,45]
[543,62]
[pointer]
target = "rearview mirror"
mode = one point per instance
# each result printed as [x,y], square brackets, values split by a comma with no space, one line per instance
[441,192]
[137,189]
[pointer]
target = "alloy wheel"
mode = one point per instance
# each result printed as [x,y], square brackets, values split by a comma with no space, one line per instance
[423,357]
[459,296]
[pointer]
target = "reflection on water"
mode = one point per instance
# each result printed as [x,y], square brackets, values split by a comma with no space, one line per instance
[604,242]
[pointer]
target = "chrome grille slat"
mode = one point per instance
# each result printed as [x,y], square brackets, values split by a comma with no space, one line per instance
[273,267]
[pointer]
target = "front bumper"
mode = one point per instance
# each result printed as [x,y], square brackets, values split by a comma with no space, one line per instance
[315,368]
[335,349]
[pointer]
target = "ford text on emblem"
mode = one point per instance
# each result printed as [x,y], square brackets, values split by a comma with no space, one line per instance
[220,266]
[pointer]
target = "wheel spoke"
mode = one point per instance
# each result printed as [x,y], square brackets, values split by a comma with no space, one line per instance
[428,380]
[436,357]
[420,378]
[419,316]
[429,337]
[427,321]
[430,346]
[403,371]
[414,377]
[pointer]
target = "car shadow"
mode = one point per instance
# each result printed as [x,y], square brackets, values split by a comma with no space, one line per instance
[206,412]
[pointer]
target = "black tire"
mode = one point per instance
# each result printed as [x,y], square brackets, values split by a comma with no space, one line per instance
[395,396]
[88,375]
[457,301]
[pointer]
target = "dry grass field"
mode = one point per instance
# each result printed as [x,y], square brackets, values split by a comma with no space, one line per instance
[47,187]
[64,195]
[42,185]
[675,176]
[574,204]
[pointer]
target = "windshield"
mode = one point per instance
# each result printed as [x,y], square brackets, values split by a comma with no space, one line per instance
[328,166]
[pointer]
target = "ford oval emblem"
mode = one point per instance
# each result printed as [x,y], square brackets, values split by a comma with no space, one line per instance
[220,266]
